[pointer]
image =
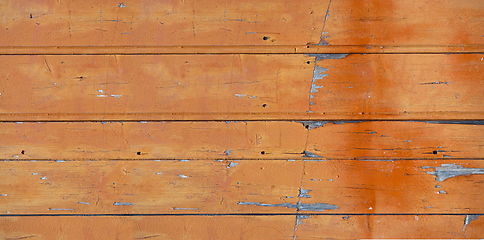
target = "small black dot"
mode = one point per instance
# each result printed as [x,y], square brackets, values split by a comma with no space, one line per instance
[307,126]
[264,105]
[139,153]
[263,152]
[265,38]
[23,151]
[308,62]
[434,152]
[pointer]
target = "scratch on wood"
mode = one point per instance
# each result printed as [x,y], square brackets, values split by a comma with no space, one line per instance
[446,171]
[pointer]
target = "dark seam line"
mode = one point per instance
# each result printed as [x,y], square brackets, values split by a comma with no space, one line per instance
[240,214]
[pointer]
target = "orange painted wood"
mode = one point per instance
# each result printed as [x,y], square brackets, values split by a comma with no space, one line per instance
[390,227]
[401,23]
[148,227]
[240,227]
[241,87]
[241,140]
[380,26]
[167,23]
[237,186]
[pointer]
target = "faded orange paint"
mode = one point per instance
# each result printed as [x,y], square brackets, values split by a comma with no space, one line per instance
[190,119]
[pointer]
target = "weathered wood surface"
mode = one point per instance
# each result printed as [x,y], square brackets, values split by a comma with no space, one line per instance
[241,227]
[384,25]
[238,186]
[241,87]
[241,140]
[135,23]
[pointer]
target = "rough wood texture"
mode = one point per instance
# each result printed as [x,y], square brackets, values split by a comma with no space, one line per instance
[240,227]
[237,186]
[241,140]
[247,86]
[148,227]
[135,23]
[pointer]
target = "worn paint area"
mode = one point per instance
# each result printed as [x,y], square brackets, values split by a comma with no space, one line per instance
[299,206]
[446,171]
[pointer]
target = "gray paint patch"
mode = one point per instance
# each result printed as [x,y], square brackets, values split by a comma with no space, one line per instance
[87,203]
[315,124]
[442,192]
[122,204]
[446,171]
[320,57]
[232,164]
[304,193]
[194,209]
[61,209]
[311,155]
[299,219]
[228,152]
[299,206]
[469,218]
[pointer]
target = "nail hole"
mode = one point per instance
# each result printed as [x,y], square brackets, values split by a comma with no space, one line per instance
[139,153]
[435,152]
[307,127]
[263,152]
[308,62]
[264,105]
[23,151]
[265,38]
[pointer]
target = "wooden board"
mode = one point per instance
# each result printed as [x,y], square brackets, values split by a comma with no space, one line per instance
[380,26]
[240,227]
[241,140]
[241,87]
[154,23]
[237,186]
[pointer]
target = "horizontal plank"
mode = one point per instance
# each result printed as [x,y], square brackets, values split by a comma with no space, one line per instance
[154,23]
[390,227]
[241,87]
[241,140]
[242,49]
[242,227]
[148,227]
[241,187]
[401,22]
[369,25]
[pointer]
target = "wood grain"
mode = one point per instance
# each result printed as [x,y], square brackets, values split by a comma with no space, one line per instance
[154,23]
[241,187]
[241,140]
[368,26]
[241,87]
[148,227]
[241,227]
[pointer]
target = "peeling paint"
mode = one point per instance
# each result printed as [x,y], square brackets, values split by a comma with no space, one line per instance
[299,219]
[299,206]
[43,178]
[232,164]
[159,173]
[316,124]
[182,176]
[116,96]
[122,204]
[304,193]
[441,192]
[228,152]
[183,160]
[61,209]
[319,57]
[87,203]
[240,95]
[194,209]
[121,5]
[469,219]
[436,83]
[310,155]
[446,171]
[4,195]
